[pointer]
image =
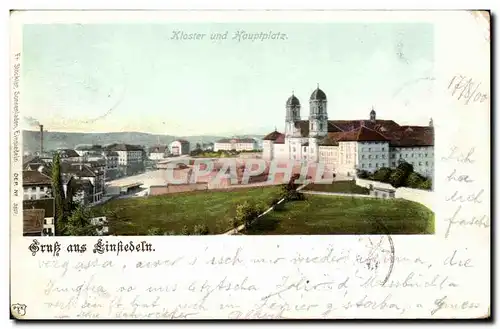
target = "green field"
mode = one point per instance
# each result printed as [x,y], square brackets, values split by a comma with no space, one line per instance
[338,187]
[169,213]
[323,214]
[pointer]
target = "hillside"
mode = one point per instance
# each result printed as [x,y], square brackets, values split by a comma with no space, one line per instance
[54,140]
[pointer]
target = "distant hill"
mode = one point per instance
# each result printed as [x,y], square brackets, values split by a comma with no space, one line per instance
[53,140]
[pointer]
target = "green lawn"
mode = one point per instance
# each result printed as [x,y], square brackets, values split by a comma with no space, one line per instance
[169,213]
[323,214]
[338,187]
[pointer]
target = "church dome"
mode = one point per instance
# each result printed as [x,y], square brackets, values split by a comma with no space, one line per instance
[293,101]
[318,95]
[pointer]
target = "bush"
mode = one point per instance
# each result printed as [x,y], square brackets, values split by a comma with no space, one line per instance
[154,231]
[246,213]
[397,178]
[363,174]
[185,230]
[201,229]
[426,184]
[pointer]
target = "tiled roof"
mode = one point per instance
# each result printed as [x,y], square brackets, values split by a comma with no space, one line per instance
[111,154]
[363,134]
[329,140]
[48,205]
[80,170]
[272,136]
[318,94]
[182,141]
[293,101]
[68,153]
[280,139]
[366,130]
[236,140]
[158,149]
[34,177]
[123,147]
[303,125]
[33,221]
[88,147]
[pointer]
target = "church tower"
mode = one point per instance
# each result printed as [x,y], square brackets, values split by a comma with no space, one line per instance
[318,122]
[318,116]
[373,116]
[292,115]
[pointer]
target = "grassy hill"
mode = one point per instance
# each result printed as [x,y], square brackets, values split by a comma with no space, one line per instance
[54,140]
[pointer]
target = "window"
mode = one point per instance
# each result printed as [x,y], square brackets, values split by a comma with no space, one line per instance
[412,155]
[363,156]
[376,165]
[393,156]
[383,149]
[420,163]
[369,156]
[383,156]
[294,149]
[412,163]
[376,193]
[393,163]
[369,165]
[363,165]
[426,163]
[369,149]
[406,155]
[376,156]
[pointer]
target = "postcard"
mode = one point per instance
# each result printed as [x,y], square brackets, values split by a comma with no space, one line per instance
[183,165]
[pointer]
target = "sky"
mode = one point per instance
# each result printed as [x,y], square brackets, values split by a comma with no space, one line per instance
[134,77]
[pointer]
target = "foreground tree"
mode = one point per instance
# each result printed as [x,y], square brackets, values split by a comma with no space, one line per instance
[61,210]
[80,224]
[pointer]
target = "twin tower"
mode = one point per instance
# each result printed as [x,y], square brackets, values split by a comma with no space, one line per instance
[318,116]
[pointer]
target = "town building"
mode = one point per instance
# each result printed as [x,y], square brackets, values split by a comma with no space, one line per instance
[69,155]
[93,174]
[235,144]
[346,146]
[82,150]
[127,154]
[179,147]
[36,184]
[38,217]
[158,152]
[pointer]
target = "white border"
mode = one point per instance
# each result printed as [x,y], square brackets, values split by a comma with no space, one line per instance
[188,4]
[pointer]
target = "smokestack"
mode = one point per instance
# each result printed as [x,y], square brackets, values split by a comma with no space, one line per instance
[41,140]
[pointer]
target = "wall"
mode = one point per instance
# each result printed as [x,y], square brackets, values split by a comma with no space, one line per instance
[421,196]
[160,190]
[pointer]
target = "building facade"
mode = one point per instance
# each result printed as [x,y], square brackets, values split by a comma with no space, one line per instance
[346,146]
[158,152]
[236,144]
[179,147]
[36,184]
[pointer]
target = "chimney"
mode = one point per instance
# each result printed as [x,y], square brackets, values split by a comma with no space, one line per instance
[41,140]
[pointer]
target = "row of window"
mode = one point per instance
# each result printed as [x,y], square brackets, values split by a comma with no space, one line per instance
[370,156]
[370,149]
[393,164]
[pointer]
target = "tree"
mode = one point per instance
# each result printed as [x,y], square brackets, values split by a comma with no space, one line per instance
[79,223]
[57,190]
[382,174]
[198,146]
